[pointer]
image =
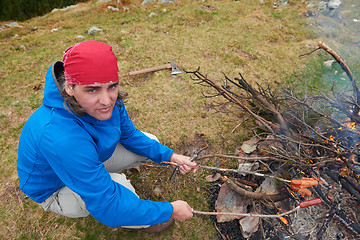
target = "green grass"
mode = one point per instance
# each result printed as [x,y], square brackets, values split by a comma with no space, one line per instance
[231,37]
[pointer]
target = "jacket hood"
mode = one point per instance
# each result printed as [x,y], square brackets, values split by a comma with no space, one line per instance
[52,97]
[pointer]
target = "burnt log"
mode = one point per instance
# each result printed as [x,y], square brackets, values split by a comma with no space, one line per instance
[336,177]
[329,216]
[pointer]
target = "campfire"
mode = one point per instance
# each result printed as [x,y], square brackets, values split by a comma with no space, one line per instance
[298,177]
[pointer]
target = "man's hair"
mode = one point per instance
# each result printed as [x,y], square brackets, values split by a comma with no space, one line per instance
[70,102]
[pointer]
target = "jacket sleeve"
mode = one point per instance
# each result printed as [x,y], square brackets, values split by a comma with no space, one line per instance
[137,142]
[74,159]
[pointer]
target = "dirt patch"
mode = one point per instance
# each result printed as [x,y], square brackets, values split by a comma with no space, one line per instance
[191,147]
[209,8]
[11,192]
[245,55]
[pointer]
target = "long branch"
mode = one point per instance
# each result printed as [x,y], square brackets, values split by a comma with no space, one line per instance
[231,171]
[347,70]
[343,65]
[249,214]
[255,195]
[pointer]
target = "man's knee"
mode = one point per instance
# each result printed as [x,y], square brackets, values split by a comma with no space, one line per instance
[67,203]
[121,179]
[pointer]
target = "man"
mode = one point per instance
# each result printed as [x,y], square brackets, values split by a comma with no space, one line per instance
[73,147]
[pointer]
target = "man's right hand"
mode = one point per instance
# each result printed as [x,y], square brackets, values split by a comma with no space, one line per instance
[181,210]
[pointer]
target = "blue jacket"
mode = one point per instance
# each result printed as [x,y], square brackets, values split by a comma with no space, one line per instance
[59,148]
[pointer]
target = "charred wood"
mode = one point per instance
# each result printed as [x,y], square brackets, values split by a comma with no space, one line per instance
[345,184]
[350,189]
[350,224]
[255,195]
[353,183]
[329,216]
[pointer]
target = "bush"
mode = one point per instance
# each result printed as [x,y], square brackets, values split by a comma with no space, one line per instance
[25,9]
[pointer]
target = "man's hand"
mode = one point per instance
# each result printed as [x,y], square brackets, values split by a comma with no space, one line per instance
[185,165]
[181,210]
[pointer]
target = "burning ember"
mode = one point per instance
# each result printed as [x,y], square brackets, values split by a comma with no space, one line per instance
[298,178]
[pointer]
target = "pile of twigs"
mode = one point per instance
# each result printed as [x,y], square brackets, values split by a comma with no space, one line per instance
[316,135]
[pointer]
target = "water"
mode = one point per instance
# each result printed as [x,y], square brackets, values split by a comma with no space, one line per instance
[340,29]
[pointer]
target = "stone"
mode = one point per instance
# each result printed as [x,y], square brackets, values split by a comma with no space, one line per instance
[145,2]
[283,3]
[115,9]
[157,191]
[94,30]
[322,6]
[334,4]
[13,24]
[230,201]
[80,37]
[68,7]
[328,63]
[311,5]
[249,225]
[152,14]
[166,1]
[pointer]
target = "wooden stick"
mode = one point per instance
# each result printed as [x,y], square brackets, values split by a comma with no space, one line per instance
[344,66]
[255,195]
[339,59]
[231,170]
[248,214]
[152,69]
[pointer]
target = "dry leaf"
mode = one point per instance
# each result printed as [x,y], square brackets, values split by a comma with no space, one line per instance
[250,145]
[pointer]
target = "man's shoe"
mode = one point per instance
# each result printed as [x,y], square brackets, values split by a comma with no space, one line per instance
[160,227]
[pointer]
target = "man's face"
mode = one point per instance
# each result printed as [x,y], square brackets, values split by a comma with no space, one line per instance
[98,100]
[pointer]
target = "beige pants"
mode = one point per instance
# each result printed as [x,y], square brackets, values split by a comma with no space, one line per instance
[68,203]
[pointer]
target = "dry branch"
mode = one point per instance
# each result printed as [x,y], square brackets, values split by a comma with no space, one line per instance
[254,195]
[237,171]
[343,65]
[249,214]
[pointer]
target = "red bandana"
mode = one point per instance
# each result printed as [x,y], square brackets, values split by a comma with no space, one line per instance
[90,62]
